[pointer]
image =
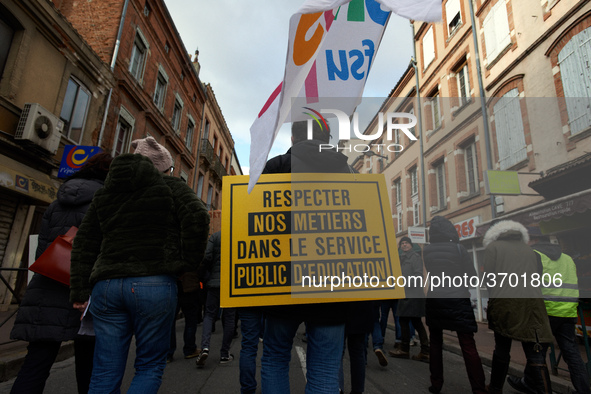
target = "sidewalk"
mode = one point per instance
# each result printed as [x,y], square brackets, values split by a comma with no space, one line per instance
[12,353]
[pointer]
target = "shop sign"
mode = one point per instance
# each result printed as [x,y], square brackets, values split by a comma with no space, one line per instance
[501,182]
[467,228]
[22,183]
[294,235]
[74,157]
[418,235]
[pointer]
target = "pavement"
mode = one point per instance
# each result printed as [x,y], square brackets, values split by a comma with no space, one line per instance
[12,353]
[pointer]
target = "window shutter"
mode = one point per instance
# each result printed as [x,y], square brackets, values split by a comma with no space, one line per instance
[428,47]
[575,73]
[509,128]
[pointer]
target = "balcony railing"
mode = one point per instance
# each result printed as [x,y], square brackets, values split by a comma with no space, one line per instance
[206,151]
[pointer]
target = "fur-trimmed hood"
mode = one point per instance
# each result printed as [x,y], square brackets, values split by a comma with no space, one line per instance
[506,229]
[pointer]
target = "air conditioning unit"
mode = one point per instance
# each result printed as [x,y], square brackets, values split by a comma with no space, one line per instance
[40,126]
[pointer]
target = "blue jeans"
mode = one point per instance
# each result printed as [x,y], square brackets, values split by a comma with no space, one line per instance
[121,308]
[251,327]
[190,305]
[323,357]
[563,329]
[377,339]
[356,344]
[212,310]
[386,305]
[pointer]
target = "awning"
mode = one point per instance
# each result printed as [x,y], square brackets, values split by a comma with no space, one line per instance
[27,181]
[543,214]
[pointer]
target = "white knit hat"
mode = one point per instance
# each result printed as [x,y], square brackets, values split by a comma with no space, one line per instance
[159,155]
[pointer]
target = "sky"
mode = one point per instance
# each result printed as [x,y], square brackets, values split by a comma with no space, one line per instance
[242,48]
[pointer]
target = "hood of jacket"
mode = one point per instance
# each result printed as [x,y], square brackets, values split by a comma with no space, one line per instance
[308,153]
[130,172]
[553,251]
[506,230]
[442,230]
[78,191]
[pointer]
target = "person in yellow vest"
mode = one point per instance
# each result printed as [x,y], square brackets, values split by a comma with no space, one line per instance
[561,305]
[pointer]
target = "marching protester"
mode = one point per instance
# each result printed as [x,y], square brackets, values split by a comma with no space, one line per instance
[561,304]
[141,231]
[325,323]
[46,317]
[516,313]
[412,308]
[211,264]
[449,307]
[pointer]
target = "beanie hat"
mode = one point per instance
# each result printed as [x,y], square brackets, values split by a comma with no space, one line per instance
[404,239]
[159,155]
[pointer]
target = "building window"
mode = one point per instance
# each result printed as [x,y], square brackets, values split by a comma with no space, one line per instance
[509,130]
[138,56]
[463,85]
[176,115]
[122,137]
[146,9]
[453,15]
[471,164]
[206,131]
[428,48]
[167,47]
[414,182]
[200,185]
[160,90]
[440,186]
[74,110]
[6,36]
[416,217]
[435,111]
[184,177]
[496,30]
[209,197]
[575,74]
[214,144]
[190,132]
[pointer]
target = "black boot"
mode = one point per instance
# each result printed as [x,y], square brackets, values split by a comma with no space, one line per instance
[498,373]
[536,378]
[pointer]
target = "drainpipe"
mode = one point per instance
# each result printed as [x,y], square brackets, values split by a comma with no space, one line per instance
[420,125]
[487,144]
[199,142]
[113,61]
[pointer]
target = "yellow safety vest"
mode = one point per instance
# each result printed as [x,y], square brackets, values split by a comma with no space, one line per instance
[561,301]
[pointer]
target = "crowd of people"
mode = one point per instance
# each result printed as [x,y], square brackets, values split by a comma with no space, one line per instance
[142,255]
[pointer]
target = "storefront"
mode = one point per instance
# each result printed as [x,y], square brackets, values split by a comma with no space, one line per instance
[24,193]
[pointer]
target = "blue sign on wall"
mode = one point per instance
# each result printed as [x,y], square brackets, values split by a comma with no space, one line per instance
[75,156]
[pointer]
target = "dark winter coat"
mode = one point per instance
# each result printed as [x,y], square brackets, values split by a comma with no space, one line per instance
[212,260]
[413,305]
[46,313]
[140,224]
[448,308]
[305,157]
[514,312]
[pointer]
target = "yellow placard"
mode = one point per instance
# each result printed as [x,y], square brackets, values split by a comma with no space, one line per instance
[307,238]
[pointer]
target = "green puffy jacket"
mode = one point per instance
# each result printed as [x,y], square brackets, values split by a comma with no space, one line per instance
[140,224]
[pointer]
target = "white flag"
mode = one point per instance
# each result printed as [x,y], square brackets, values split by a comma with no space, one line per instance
[331,46]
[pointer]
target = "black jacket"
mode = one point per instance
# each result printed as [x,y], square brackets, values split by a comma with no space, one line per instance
[305,156]
[448,307]
[210,266]
[45,313]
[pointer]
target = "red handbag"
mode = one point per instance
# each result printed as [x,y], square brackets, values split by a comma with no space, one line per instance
[55,261]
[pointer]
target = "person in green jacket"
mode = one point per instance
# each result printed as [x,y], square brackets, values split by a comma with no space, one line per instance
[561,296]
[141,231]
